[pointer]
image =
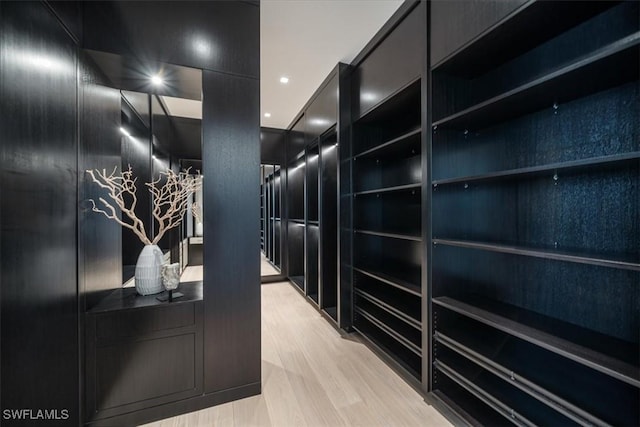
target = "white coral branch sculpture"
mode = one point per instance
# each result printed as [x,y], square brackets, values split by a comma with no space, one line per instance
[170,194]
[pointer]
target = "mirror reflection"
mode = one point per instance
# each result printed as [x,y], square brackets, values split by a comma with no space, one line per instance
[160,143]
[270,219]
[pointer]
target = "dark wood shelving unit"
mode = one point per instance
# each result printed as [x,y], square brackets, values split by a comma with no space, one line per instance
[296,226]
[387,227]
[312,232]
[328,222]
[535,243]
[513,36]
[319,151]
[618,62]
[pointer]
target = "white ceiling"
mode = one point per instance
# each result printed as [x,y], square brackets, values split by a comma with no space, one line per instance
[182,107]
[303,40]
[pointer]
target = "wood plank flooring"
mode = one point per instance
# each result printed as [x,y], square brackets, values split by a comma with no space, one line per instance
[311,376]
[266,269]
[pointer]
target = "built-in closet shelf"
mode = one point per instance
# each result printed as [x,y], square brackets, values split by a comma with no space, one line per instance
[332,312]
[626,262]
[390,235]
[518,34]
[390,308]
[298,280]
[404,358]
[297,221]
[509,375]
[603,353]
[607,67]
[404,145]
[397,188]
[483,392]
[389,331]
[313,223]
[560,168]
[392,281]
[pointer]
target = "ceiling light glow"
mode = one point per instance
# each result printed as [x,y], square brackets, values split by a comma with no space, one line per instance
[156,80]
[284,80]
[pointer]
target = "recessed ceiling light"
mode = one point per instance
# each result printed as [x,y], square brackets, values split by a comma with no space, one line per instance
[156,80]
[124,131]
[267,114]
[284,80]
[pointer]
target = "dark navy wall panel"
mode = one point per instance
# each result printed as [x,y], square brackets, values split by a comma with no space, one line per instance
[38,163]
[231,160]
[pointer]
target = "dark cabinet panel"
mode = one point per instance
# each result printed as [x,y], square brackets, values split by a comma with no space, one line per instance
[231,159]
[100,266]
[396,62]
[168,368]
[323,111]
[142,353]
[219,35]
[455,23]
[38,164]
[272,146]
[295,139]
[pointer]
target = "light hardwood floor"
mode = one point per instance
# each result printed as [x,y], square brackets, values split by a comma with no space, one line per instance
[266,269]
[311,376]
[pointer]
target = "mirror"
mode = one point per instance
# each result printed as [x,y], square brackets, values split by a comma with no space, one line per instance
[160,130]
[270,219]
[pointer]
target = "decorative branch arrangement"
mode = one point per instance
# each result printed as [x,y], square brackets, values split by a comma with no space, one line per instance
[170,195]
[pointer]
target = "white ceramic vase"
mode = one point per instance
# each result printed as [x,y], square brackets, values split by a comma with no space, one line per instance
[149,271]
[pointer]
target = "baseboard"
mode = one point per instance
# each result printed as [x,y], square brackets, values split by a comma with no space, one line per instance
[180,407]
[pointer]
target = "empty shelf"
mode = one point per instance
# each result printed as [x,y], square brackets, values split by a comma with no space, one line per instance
[570,166]
[625,263]
[617,61]
[536,329]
